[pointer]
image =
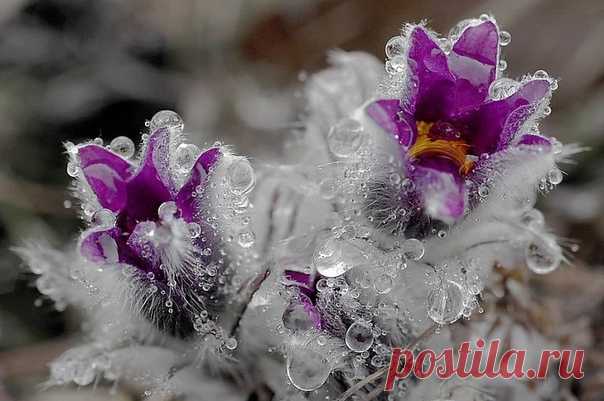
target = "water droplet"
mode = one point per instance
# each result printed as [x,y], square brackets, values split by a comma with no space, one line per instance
[541,74]
[246,239]
[504,38]
[296,317]
[194,230]
[168,119]
[547,111]
[240,176]
[483,191]
[230,343]
[123,146]
[394,178]
[445,44]
[543,255]
[329,260]
[502,88]
[307,370]
[395,47]
[396,65]
[109,248]
[445,302]
[185,156]
[72,169]
[554,176]
[167,211]
[103,218]
[345,137]
[413,249]
[359,337]
[503,65]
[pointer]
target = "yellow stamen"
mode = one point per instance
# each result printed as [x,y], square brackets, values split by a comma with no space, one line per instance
[455,150]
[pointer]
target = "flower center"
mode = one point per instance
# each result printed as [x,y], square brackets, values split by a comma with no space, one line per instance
[454,149]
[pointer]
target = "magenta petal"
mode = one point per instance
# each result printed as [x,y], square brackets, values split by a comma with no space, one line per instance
[431,79]
[474,54]
[388,114]
[185,200]
[535,140]
[441,188]
[148,189]
[497,122]
[101,246]
[106,173]
[303,281]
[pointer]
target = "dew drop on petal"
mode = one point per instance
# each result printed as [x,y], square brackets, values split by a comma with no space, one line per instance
[359,337]
[395,46]
[194,230]
[167,211]
[413,249]
[103,218]
[168,119]
[543,255]
[541,74]
[345,137]
[240,176]
[109,247]
[502,88]
[185,156]
[72,169]
[504,38]
[307,370]
[123,146]
[445,302]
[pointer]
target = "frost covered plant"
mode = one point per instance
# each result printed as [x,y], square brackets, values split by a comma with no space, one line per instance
[413,181]
[166,246]
[426,182]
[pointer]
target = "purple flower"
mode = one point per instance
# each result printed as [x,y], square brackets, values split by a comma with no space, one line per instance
[301,313]
[453,117]
[137,198]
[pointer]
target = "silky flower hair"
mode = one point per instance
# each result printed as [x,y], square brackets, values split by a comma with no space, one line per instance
[410,191]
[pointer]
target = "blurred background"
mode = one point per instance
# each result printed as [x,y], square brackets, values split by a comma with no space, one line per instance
[72,70]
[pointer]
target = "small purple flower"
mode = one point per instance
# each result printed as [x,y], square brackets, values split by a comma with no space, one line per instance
[137,196]
[453,115]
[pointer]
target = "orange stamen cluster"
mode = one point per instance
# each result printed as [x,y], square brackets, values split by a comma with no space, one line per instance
[455,150]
